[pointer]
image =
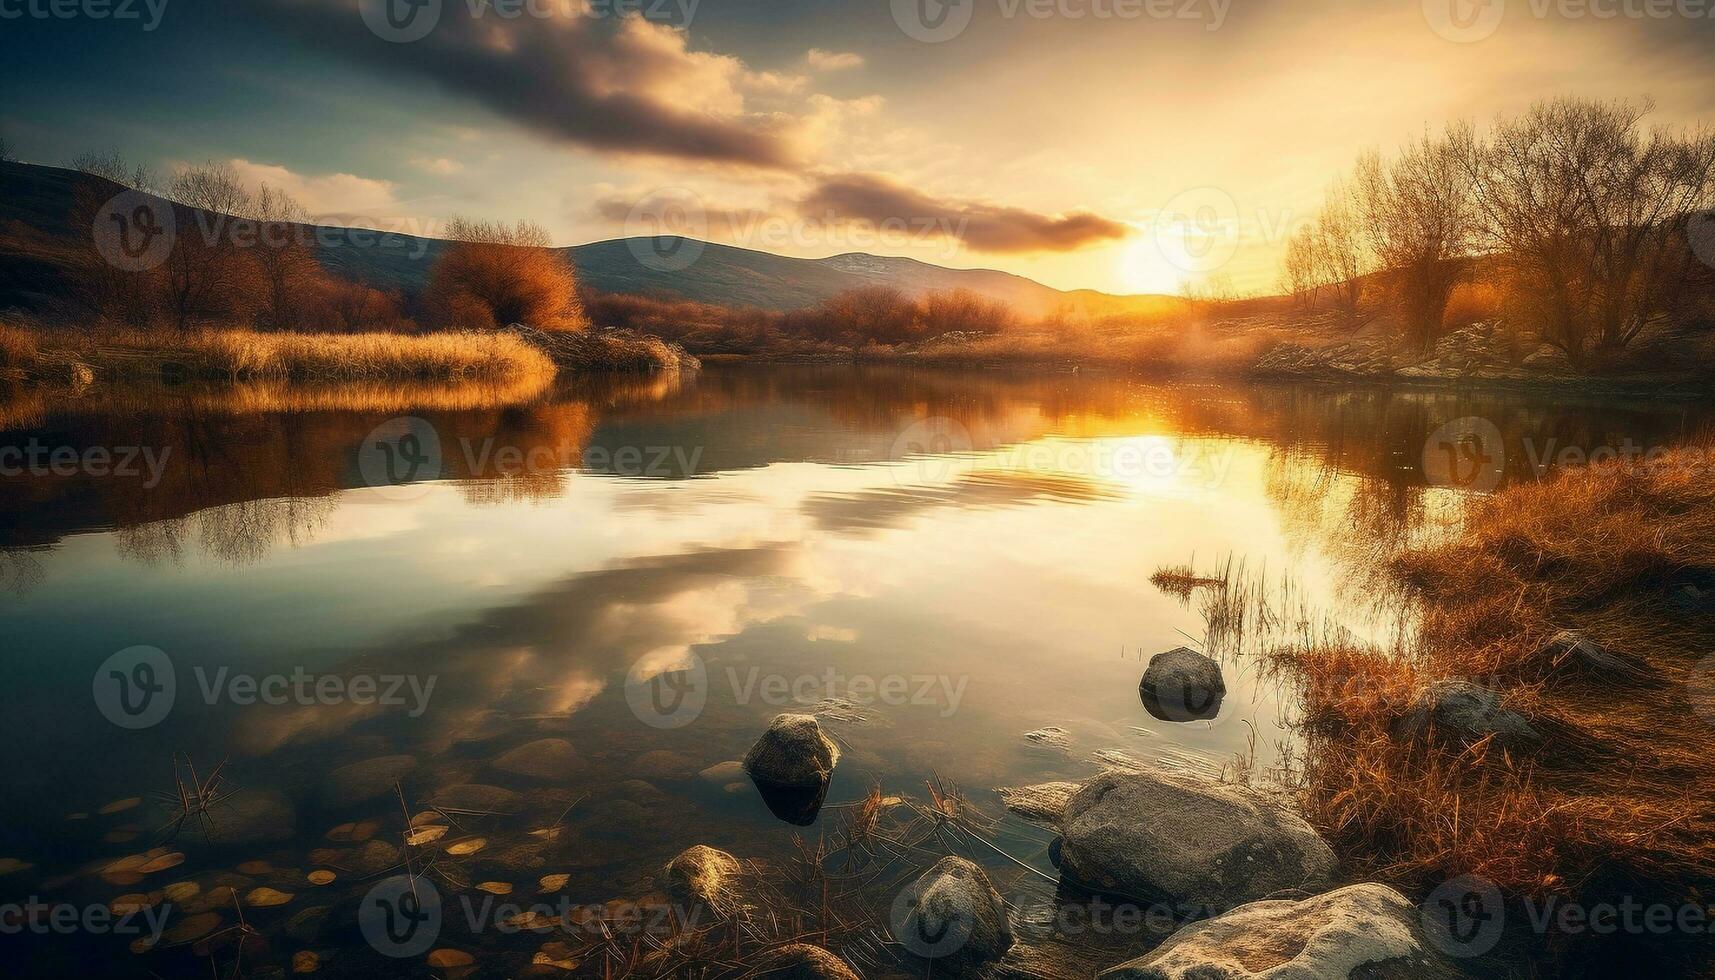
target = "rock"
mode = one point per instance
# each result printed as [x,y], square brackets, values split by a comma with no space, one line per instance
[477,798]
[546,759]
[793,753]
[1205,847]
[1044,802]
[722,773]
[1362,931]
[1467,713]
[370,779]
[1573,653]
[801,961]
[1182,685]
[703,876]
[1053,737]
[953,915]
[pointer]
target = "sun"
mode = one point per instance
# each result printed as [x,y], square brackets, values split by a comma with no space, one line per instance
[1143,269]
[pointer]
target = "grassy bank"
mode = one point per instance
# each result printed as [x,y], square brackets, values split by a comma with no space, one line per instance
[1617,798]
[245,355]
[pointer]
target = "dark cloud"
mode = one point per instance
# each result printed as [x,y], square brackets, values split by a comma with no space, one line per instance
[617,84]
[981,226]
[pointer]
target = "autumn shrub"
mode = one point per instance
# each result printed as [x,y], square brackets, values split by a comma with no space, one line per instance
[494,274]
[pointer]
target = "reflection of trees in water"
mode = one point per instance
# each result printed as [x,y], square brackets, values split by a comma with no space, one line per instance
[1355,448]
[20,571]
[240,533]
[244,476]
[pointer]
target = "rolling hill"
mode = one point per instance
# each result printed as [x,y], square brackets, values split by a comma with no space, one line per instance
[38,201]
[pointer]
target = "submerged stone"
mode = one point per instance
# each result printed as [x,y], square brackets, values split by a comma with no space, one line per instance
[953,915]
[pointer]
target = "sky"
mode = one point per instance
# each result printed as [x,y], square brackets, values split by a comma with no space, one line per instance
[1122,145]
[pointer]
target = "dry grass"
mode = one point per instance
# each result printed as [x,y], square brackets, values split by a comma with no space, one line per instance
[17,349]
[242,354]
[1620,796]
[245,355]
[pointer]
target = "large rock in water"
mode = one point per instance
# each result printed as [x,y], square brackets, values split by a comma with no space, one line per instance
[792,753]
[952,915]
[1205,848]
[544,760]
[1466,713]
[702,875]
[800,961]
[1182,685]
[1362,931]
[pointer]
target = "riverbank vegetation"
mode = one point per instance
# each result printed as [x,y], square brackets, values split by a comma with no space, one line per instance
[1581,602]
[1582,228]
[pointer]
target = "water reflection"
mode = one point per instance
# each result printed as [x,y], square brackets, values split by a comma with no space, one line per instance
[235,455]
[776,531]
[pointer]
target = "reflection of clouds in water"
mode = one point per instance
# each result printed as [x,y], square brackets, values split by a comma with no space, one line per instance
[891,507]
[554,652]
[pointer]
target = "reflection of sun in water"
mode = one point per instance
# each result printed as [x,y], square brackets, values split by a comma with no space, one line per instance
[1143,269]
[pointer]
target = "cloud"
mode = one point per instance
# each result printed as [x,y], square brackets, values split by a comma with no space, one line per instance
[623,85]
[323,194]
[438,165]
[820,60]
[981,226]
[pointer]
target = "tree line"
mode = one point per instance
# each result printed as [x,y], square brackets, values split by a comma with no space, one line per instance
[1583,222]
[247,258]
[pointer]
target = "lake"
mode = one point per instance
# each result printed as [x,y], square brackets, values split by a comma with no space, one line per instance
[950,569]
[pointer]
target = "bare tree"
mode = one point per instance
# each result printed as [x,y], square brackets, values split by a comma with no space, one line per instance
[5,150]
[284,259]
[113,165]
[1300,272]
[1340,256]
[1587,216]
[209,274]
[1417,214]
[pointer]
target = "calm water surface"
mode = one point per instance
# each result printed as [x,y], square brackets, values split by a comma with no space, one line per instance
[935,563]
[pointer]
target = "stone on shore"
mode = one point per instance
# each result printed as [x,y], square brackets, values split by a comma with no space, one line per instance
[1361,932]
[1463,712]
[1202,847]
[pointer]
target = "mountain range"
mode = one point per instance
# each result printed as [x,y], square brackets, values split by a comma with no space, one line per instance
[38,200]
